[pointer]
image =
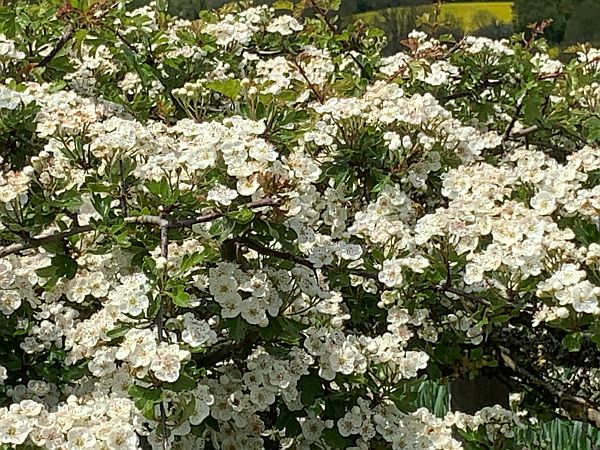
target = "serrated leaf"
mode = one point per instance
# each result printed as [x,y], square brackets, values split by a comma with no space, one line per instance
[183,383]
[118,332]
[572,342]
[180,297]
[592,128]
[243,215]
[310,388]
[229,88]
[334,439]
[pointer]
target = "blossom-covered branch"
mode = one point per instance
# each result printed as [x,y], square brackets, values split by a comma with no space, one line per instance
[157,221]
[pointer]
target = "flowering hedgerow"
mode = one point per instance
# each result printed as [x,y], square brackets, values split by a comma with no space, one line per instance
[252,231]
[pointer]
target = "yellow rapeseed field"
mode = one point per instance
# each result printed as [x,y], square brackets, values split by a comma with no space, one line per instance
[468,16]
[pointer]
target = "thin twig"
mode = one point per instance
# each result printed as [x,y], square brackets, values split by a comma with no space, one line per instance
[186,223]
[454,48]
[577,408]
[67,34]
[122,188]
[513,121]
[144,220]
[164,252]
[524,132]
[275,253]
[460,293]
[298,259]
[310,85]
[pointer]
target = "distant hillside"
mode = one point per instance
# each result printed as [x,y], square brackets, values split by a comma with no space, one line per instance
[468,16]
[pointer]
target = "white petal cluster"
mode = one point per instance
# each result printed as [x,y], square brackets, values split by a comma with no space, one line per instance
[79,423]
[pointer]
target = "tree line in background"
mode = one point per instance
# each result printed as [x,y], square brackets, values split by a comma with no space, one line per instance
[573,21]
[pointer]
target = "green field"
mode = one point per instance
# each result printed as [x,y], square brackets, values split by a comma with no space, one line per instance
[468,16]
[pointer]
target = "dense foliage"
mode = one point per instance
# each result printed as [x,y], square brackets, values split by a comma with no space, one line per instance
[572,20]
[253,231]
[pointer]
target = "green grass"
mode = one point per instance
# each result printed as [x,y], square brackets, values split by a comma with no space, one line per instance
[468,16]
[556,434]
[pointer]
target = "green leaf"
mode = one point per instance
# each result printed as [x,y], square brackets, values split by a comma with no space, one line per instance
[65,266]
[161,188]
[154,307]
[147,393]
[500,318]
[189,261]
[287,420]
[237,329]
[60,266]
[188,408]
[283,329]
[592,129]
[243,215]
[229,88]
[334,439]
[74,373]
[46,272]
[572,342]
[121,330]
[183,383]
[180,297]
[310,388]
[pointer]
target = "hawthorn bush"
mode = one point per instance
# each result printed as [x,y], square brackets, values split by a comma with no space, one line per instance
[253,231]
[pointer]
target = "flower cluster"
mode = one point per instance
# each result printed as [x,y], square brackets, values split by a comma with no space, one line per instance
[245,232]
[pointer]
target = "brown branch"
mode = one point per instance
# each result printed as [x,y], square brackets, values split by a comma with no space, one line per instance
[576,407]
[300,260]
[164,253]
[226,351]
[67,34]
[323,15]
[509,128]
[467,295]
[310,85]
[144,220]
[122,188]
[274,253]
[38,242]
[454,48]
[186,223]
[524,132]
[159,319]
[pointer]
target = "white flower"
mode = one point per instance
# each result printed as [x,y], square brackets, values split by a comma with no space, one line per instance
[10,301]
[391,274]
[134,304]
[223,287]
[122,438]
[261,151]
[349,252]
[14,429]
[80,438]
[247,186]
[29,408]
[166,364]
[253,312]
[343,359]
[203,402]
[544,203]
[197,332]
[284,25]
[222,194]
